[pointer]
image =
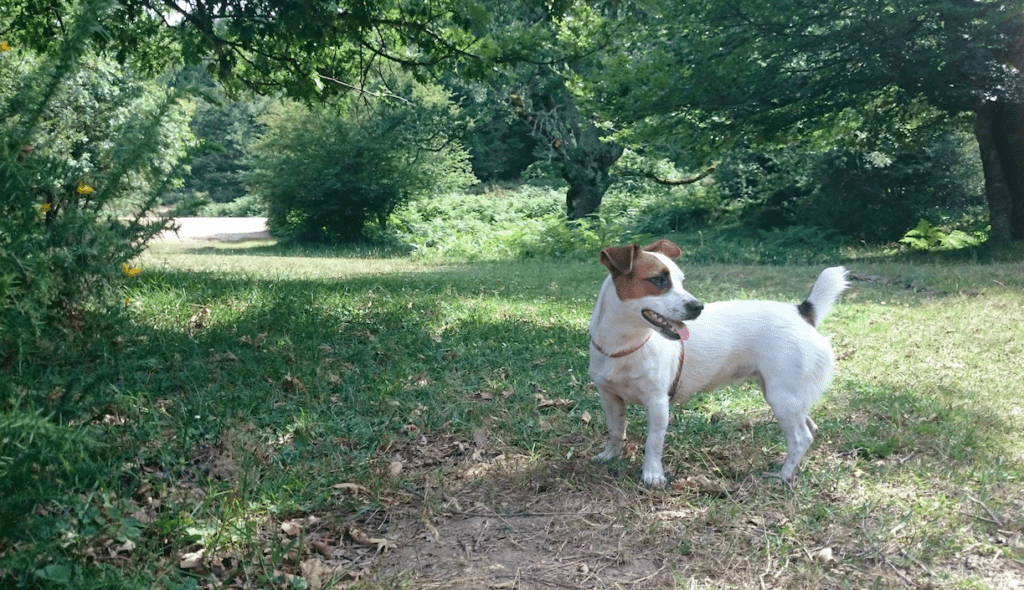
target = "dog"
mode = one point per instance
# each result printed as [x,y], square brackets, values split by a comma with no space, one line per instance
[653,343]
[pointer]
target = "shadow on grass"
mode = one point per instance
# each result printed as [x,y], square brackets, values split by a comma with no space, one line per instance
[460,349]
[240,391]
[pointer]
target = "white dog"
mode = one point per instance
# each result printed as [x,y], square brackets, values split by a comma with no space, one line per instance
[642,352]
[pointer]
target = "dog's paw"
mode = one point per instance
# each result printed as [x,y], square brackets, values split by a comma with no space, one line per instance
[655,479]
[778,475]
[605,457]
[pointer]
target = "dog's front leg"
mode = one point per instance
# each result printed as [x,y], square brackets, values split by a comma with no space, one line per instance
[615,412]
[657,427]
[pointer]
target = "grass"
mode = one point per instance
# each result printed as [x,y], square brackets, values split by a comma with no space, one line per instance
[263,402]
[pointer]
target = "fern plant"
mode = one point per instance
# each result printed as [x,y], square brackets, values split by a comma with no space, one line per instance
[925,237]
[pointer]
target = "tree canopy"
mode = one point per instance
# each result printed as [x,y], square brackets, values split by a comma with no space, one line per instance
[697,80]
[688,81]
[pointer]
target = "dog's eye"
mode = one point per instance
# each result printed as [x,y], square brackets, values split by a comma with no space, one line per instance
[660,281]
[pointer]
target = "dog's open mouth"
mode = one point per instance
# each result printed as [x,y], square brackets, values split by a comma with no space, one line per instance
[670,329]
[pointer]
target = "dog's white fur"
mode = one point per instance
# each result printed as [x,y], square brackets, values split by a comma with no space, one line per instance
[777,343]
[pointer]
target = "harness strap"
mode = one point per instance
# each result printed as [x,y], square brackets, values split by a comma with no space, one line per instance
[679,372]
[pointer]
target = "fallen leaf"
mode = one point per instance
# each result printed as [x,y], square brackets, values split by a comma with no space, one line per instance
[824,555]
[480,438]
[363,539]
[191,561]
[356,575]
[354,488]
[290,383]
[322,548]
[196,322]
[673,514]
[326,349]
[314,571]
[291,529]
[333,379]
[395,469]
[544,401]
[254,342]
[585,417]
[703,484]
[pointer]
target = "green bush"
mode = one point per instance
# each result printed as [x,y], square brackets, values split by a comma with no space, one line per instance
[868,196]
[37,459]
[486,226]
[326,172]
[86,150]
[247,206]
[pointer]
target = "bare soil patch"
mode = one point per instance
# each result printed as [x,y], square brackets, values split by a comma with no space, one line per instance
[469,516]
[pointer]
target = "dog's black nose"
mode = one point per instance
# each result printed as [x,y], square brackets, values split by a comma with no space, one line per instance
[694,308]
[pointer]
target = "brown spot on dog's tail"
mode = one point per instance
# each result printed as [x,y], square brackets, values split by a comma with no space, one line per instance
[806,311]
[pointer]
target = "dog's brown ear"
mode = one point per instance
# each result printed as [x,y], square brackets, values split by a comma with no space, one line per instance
[619,260]
[665,247]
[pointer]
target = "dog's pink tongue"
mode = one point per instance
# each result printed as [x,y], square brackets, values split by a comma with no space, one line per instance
[683,331]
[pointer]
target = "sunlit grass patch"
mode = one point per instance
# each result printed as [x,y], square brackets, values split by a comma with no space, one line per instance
[275,403]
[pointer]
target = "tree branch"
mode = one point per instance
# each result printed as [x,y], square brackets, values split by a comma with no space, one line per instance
[680,181]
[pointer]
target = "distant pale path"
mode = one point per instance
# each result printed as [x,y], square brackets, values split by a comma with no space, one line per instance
[217,229]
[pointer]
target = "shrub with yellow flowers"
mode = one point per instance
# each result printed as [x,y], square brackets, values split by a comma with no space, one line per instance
[80,177]
[86,151]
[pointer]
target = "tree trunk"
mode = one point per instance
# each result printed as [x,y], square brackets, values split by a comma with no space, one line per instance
[999,129]
[586,161]
[587,170]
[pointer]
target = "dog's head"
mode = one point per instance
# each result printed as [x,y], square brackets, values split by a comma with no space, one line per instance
[648,280]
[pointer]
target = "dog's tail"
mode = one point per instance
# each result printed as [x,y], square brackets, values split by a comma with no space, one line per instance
[831,282]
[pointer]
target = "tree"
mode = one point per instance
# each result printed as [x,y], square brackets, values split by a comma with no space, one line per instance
[537,89]
[833,73]
[302,49]
[317,48]
[577,143]
[225,128]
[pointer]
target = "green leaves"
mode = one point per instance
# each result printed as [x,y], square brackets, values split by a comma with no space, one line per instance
[327,172]
[764,74]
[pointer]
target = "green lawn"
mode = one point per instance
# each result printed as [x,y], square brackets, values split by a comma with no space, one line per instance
[308,421]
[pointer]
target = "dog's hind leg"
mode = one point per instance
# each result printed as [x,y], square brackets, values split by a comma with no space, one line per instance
[791,414]
[812,426]
[615,413]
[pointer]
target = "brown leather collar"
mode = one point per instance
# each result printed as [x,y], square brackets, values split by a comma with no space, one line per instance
[621,353]
[629,351]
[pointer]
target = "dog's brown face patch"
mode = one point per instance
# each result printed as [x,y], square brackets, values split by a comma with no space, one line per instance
[649,276]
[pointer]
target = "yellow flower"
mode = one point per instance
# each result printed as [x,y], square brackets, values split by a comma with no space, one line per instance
[130,271]
[45,207]
[4,46]
[83,189]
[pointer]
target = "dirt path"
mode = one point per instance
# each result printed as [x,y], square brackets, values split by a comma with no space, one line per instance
[217,229]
